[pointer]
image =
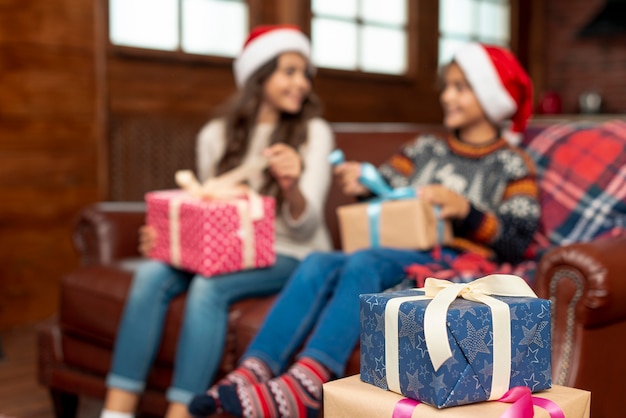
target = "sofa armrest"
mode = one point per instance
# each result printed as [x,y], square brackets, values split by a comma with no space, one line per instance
[106,232]
[596,270]
[585,283]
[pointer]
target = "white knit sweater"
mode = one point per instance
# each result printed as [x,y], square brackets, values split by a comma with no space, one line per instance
[294,237]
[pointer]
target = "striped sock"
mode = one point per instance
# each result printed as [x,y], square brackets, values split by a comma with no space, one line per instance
[250,372]
[295,394]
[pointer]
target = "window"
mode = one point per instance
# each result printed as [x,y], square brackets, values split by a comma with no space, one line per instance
[208,27]
[461,21]
[360,35]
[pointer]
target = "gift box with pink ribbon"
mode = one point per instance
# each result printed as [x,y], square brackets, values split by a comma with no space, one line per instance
[350,397]
[212,234]
[453,344]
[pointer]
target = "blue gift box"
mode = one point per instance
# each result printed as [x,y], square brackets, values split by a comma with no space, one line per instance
[395,352]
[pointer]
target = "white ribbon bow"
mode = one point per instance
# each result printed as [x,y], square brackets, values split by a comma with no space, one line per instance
[442,293]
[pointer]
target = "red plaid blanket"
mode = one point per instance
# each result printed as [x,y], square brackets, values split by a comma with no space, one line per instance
[581,171]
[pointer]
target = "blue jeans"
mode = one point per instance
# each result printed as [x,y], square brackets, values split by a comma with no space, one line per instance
[321,302]
[203,331]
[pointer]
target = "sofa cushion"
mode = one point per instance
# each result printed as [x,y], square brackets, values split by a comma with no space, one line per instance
[581,171]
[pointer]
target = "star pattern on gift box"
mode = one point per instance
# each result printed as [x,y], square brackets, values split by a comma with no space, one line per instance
[414,383]
[519,356]
[372,301]
[380,366]
[437,383]
[381,382]
[533,335]
[477,382]
[450,363]
[533,355]
[366,342]
[528,318]
[409,326]
[487,370]
[531,382]
[380,323]
[485,317]
[464,308]
[421,345]
[474,343]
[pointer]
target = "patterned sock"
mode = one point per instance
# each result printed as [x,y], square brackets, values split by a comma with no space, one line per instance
[250,372]
[295,394]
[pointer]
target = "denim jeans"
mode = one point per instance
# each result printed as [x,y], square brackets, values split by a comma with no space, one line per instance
[202,334]
[321,302]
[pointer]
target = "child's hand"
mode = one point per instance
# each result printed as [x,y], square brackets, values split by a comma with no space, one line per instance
[453,205]
[285,165]
[348,177]
[147,239]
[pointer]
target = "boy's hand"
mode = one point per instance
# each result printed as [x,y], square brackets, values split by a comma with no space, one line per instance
[348,177]
[147,239]
[285,165]
[453,205]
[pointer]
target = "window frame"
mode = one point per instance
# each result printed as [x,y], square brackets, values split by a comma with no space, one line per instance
[178,55]
[411,31]
[513,26]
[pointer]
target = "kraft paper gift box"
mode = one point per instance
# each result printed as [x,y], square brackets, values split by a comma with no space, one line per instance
[405,223]
[447,351]
[350,397]
[212,236]
[394,218]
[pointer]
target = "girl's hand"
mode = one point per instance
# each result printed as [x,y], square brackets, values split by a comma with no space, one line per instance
[453,205]
[147,239]
[285,165]
[347,175]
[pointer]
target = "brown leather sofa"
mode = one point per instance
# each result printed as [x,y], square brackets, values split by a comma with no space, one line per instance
[586,283]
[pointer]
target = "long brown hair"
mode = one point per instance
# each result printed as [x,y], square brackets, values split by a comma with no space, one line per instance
[240,113]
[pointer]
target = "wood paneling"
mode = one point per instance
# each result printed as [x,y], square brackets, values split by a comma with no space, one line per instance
[48,152]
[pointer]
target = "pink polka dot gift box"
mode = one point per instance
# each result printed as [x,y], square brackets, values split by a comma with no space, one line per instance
[212,236]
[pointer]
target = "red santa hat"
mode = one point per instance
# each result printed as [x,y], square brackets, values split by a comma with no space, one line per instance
[266,42]
[500,84]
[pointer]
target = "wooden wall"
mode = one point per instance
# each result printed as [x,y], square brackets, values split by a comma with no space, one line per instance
[49,147]
[65,98]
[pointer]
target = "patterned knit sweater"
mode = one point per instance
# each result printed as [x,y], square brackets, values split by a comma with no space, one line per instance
[498,180]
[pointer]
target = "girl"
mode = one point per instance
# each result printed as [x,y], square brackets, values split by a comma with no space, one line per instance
[274,114]
[483,184]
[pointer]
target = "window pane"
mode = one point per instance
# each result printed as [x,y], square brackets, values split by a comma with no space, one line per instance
[144,23]
[335,8]
[392,12]
[447,48]
[214,27]
[456,16]
[383,50]
[334,43]
[494,21]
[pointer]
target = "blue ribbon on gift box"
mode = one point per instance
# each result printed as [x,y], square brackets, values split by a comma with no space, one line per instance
[371,178]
